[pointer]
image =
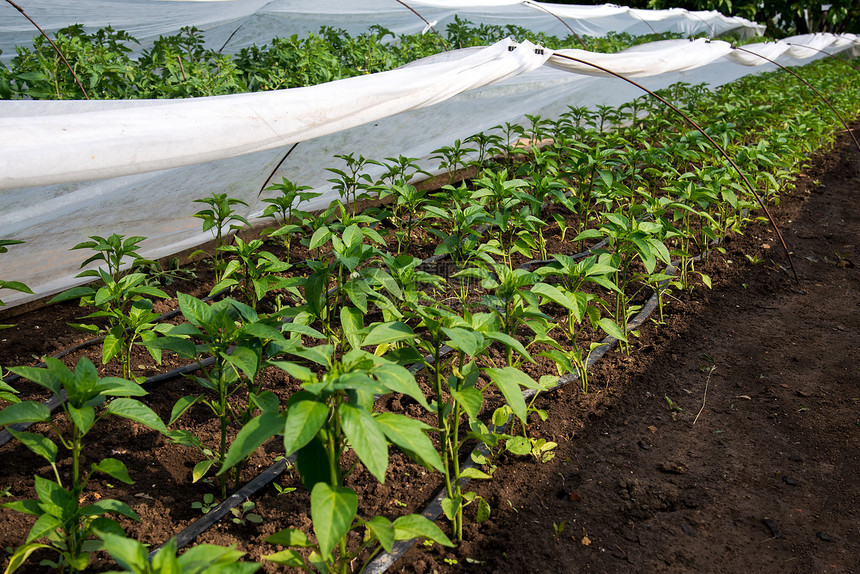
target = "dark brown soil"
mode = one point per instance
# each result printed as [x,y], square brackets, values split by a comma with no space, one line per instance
[765,439]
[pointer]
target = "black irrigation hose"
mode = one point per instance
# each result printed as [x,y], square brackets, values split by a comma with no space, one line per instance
[199,526]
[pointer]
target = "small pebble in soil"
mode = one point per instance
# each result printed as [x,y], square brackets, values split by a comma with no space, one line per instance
[688,530]
[789,481]
[673,467]
[773,527]
[644,445]
[823,536]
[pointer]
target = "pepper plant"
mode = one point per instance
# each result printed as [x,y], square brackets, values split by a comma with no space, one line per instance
[68,525]
[454,379]
[331,415]
[238,342]
[283,209]
[220,217]
[122,300]
[253,271]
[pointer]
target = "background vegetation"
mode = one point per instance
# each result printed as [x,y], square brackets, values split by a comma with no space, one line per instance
[782,17]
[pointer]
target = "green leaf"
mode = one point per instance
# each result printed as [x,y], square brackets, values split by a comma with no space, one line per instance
[333,509]
[509,341]
[390,332]
[83,417]
[43,526]
[417,526]
[262,331]
[304,420]
[181,406]
[463,340]
[136,411]
[74,293]
[470,399]
[196,311]
[21,554]
[182,347]
[400,380]
[556,296]
[24,412]
[114,468]
[611,328]
[367,439]
[450,507]
[408,434]
[257,431]
[312,463]
[109,506]
[25,507]
[291,538]
[295,370]
[42,377]
[472,472]
[117,387]
[111,347]
[382,529]
[204,558]
[518,445]
[39,444]
[267,402]
[483,510]
[289,558]
[509,380]
[201,468]
[352,322]
[244,359]
[128,553]
[319,237]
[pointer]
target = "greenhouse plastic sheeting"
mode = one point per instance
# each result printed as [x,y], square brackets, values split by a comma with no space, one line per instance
[69,170]
[231,25]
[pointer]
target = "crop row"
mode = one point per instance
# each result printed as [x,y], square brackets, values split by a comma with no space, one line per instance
[180,66]
[338,307]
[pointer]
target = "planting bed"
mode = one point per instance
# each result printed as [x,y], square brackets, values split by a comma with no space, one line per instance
[642,488]
[585,501]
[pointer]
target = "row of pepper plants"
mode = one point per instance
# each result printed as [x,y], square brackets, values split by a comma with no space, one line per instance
[181,66]
[362,317]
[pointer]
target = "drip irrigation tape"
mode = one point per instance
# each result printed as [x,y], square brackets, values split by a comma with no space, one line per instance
[197,527]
